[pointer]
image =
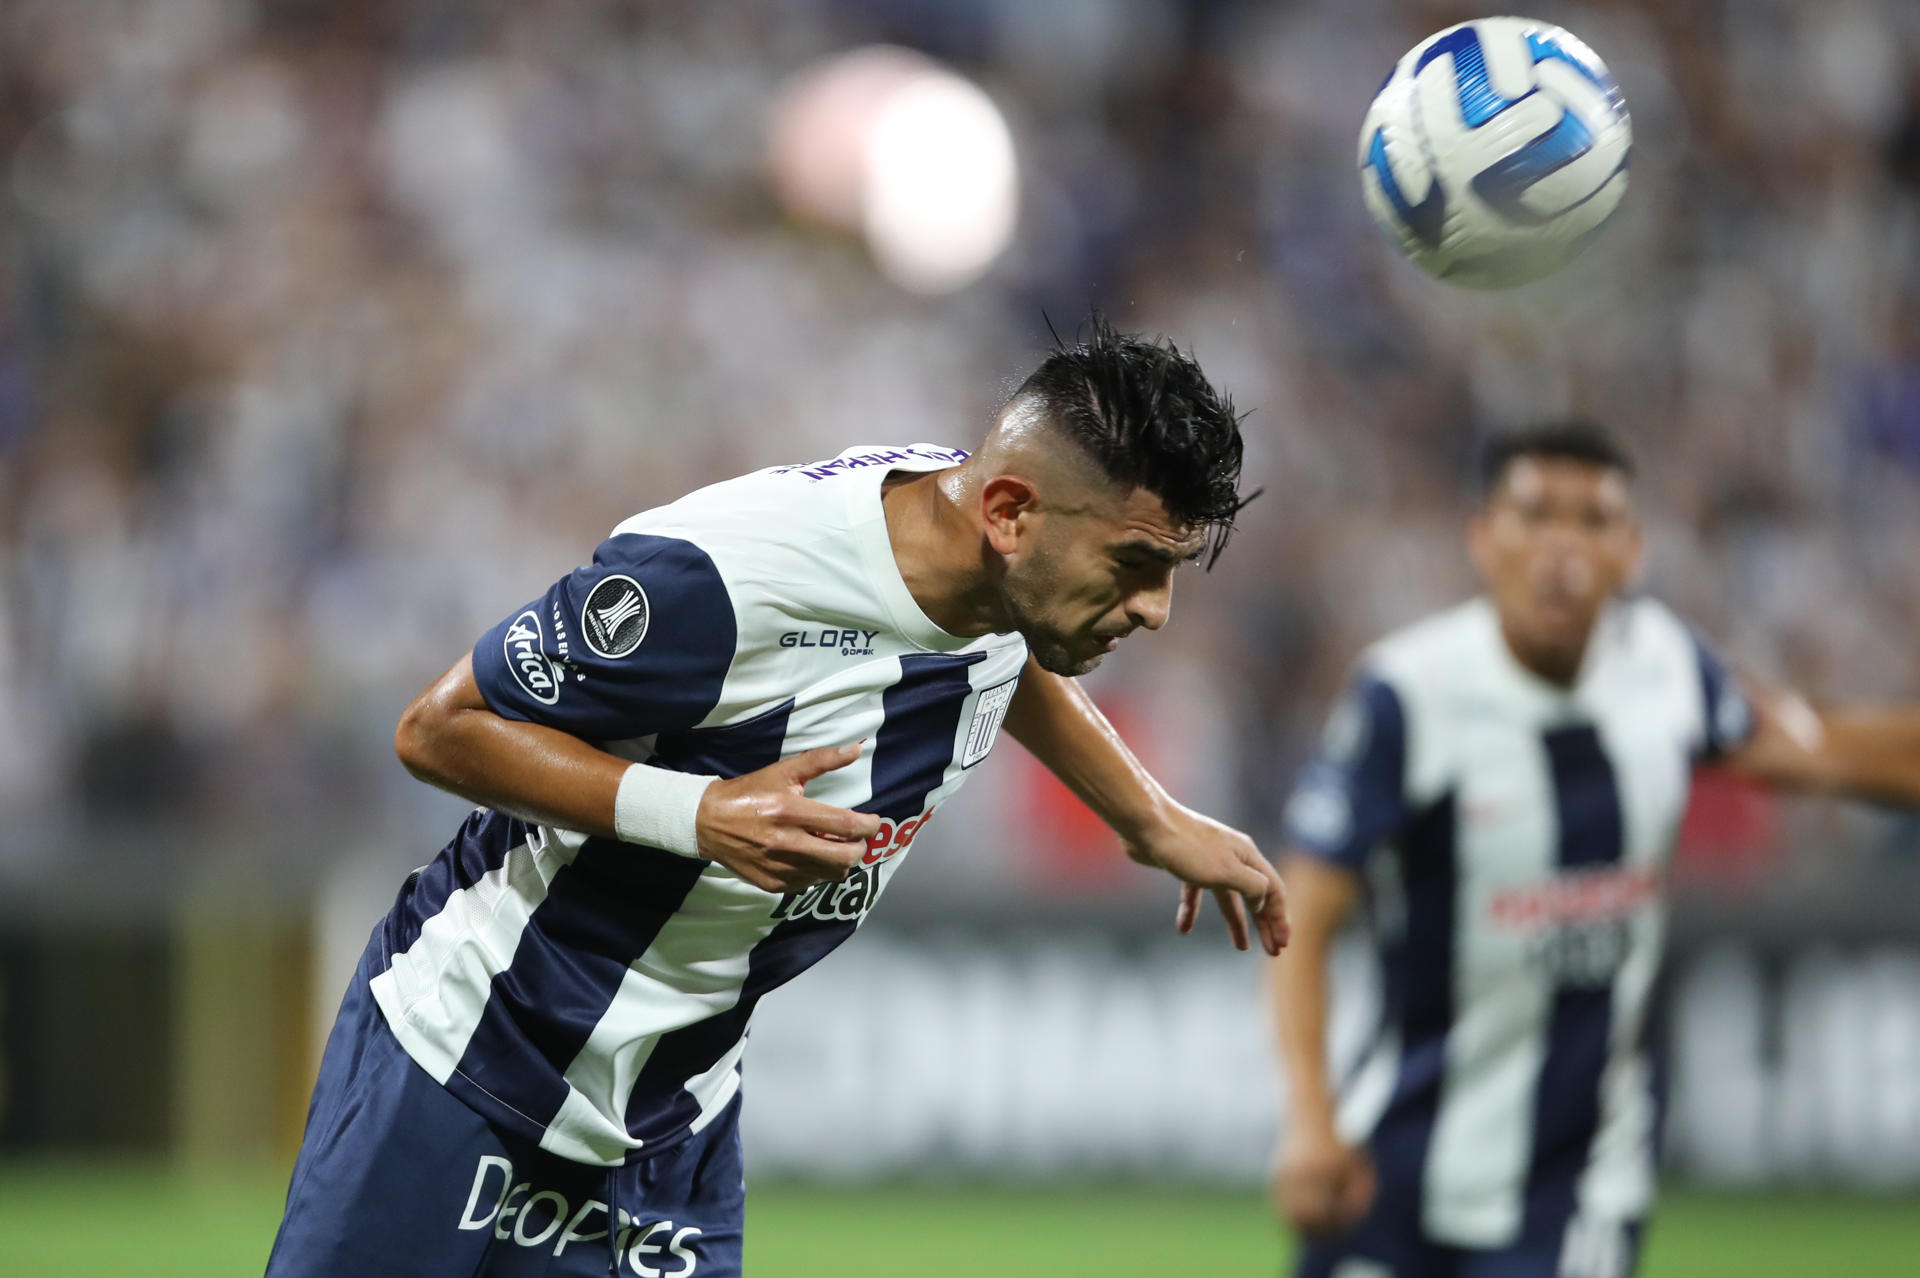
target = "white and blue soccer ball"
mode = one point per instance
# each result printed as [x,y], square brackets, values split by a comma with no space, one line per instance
[1495,151]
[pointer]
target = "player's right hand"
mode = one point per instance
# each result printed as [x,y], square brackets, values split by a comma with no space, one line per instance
[1322,1185]
[764,828]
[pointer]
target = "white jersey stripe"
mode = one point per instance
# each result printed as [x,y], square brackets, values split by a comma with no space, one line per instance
[434,992]
[1476,1166]
[716,1087]
[1366,1094]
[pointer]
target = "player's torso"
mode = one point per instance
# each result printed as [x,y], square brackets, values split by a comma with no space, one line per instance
[1564,803]
[1522,912]
[596,994]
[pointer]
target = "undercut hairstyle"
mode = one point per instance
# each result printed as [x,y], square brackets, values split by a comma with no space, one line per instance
[1571,440]
[1149,418]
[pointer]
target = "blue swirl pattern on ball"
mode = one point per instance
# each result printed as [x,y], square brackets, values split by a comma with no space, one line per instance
[1427,218]
[1503,183]
[1478,101]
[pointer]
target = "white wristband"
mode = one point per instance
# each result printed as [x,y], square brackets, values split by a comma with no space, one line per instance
[659,808]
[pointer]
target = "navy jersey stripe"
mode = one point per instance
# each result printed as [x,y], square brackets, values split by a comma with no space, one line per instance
[1586,798]
[1418,995]
[479,848]
[730,751]
[1727,719]
[661,1108]
[600,913]
[1351,796]
[914,745]
[1566,1107]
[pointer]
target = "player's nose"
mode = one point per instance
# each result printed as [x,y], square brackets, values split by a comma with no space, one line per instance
[1149,609]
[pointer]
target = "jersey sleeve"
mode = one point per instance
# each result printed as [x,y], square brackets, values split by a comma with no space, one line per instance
[1726,717]
[637,642]
[1351,797]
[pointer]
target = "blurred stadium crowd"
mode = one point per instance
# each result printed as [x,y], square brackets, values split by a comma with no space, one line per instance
[331,332]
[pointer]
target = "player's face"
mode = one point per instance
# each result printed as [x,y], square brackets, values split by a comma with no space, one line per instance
[1095,575]
[1556,541]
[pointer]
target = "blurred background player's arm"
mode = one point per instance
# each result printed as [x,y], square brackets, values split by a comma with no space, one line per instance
[1054,719]
[1322,1184]
[1349,800]
[1863,752]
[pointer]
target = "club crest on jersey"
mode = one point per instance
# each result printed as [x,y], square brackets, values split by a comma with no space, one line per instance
[988,714]
[614,617]
[525,649]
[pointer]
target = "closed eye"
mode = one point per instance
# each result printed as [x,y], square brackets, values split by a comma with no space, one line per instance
[1139,558]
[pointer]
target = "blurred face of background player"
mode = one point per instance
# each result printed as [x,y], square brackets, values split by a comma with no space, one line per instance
[1091,565]
[1555,541]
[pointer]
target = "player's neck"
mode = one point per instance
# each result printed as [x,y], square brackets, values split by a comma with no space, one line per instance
[938,554]
[1557,666]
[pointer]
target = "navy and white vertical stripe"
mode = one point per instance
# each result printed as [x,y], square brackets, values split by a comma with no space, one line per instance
[592,995]
[1515,836]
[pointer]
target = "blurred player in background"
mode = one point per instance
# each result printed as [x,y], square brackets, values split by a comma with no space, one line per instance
[1502,786]
[700,760]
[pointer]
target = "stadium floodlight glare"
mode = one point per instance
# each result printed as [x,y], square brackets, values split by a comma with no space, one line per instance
[941,190]
[916,159]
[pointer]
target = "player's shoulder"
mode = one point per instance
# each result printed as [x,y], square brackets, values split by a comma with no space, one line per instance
[1439,650]
[799,542]
[1647,632]
[784,506]
[1650,620]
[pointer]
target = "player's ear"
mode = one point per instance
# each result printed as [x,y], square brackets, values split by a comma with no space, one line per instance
[1007,506]
[1480,544]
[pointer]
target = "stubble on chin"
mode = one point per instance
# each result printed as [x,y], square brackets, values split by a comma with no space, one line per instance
[1053,658]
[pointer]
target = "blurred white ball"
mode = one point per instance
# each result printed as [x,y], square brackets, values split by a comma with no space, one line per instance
[1495,151]
[916,159]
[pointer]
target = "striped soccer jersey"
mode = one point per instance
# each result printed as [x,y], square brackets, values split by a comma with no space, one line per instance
[594,995]
[1514,836]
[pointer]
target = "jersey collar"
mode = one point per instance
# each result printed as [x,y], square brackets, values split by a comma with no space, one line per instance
[869,517]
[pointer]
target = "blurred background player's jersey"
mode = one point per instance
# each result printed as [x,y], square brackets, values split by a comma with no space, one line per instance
[1515,837]
[594,995]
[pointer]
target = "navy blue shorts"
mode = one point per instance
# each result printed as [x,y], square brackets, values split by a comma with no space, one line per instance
[1390,1243]
[396,1177]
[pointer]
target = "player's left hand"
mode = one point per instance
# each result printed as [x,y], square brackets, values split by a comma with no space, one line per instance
[1208,856]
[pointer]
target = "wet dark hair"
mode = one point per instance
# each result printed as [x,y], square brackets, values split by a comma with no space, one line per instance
[1146,414]
[1574,440]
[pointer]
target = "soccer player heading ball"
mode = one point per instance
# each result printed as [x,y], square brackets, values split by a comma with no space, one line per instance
[701,759]
[1502,784]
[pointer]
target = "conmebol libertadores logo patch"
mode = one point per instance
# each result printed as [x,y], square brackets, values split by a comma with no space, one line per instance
[614,618]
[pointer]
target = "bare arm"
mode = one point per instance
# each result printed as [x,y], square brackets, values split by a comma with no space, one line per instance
[450,738]
[759,825]
[1322,897]
[1054,719]
[1321,1184]
[1865,752]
